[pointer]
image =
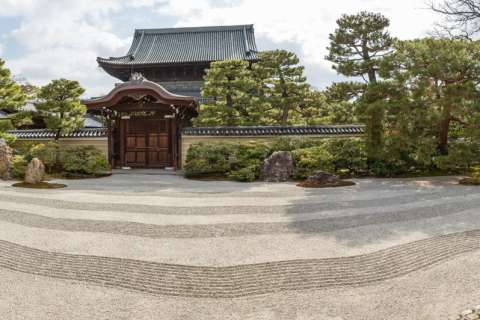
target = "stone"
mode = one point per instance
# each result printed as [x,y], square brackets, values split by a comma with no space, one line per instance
[5,159]
[278,167]
[323,179]
[35,172]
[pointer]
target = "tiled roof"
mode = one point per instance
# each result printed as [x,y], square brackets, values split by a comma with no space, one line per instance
[49,134]
[275,130]
[184,45]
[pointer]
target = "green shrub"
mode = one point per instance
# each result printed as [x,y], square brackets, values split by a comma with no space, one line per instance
[47,153]
[309,160]
[208,159]
[239,161]
[246,174]
[18,167]
[247,159]
[9,139]
[348,155]
[461,156]
[83,160]
[22,147]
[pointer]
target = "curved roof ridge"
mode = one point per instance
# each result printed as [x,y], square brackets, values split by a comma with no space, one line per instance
[194,29]
[184,46]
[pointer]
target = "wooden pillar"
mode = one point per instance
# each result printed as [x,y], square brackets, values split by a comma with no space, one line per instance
[174,142]
[107,114]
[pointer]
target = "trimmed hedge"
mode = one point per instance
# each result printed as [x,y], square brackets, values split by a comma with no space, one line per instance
[18,167]
[71,161]
[83,160]
[242,161]
[237,161]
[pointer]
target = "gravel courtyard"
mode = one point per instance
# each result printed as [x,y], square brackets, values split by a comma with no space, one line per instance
[140,246]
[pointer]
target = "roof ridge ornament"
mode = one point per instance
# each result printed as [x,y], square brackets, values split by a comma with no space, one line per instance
[137,76]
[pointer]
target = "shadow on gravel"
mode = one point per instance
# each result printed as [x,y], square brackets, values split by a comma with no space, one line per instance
[378,210]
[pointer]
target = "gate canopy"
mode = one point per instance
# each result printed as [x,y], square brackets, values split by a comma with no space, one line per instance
[139,90]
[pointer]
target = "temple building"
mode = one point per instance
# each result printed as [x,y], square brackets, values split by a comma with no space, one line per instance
[147,117]
[177,58]
[163,75]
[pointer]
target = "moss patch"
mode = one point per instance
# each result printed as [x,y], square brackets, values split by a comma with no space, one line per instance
[41,185]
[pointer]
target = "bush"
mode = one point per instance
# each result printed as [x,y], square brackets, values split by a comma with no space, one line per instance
[208,159]
[246,174]
[47,153]
[23,147]
[9,139]
[83,160]
[309,160]
[239,161]
[349,155]
[18,167]
[242,161]
[461,156]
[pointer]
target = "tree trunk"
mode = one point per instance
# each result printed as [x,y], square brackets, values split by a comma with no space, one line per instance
[57,134]
[285,108]
[372,75]
[231,118]
[444,128]
[284,118]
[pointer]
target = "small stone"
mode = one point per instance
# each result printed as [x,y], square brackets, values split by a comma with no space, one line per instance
[5,159]
[323,179]
[35,171]
[278,167]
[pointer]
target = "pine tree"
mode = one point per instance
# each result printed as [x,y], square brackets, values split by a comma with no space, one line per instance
[12,97]
[229,88]
[438,81]
[357,48]
[59,105]
[283,86]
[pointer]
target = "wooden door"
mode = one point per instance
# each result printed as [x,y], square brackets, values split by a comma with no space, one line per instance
[147,143]
[159,146]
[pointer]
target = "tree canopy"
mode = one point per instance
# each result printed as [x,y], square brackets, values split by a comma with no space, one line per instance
[59,105]
[437,86]
[229,88]
[272,91]
[357,49]
[12,99]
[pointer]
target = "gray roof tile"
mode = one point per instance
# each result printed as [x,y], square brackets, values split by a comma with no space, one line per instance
[50,134]
[275,130]
[186,45]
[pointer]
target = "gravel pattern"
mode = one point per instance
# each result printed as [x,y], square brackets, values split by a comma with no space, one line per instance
[243,280]
[371,251]
[312,226]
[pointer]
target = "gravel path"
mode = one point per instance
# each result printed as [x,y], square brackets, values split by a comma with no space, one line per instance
[170,238]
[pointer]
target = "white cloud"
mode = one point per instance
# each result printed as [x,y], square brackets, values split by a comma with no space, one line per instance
[62,38]
[305,23]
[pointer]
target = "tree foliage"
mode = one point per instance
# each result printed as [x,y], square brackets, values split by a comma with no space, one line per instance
[284,90]
[359,43]
[357,48]
[435,88]
[12,98]
[272,91]
[59,104]
[229,86]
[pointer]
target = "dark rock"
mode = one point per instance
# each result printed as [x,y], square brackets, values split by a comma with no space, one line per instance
[5,159]
[323,179]
[278,167]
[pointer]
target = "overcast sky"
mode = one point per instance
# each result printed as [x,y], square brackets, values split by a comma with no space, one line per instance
[48,39]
